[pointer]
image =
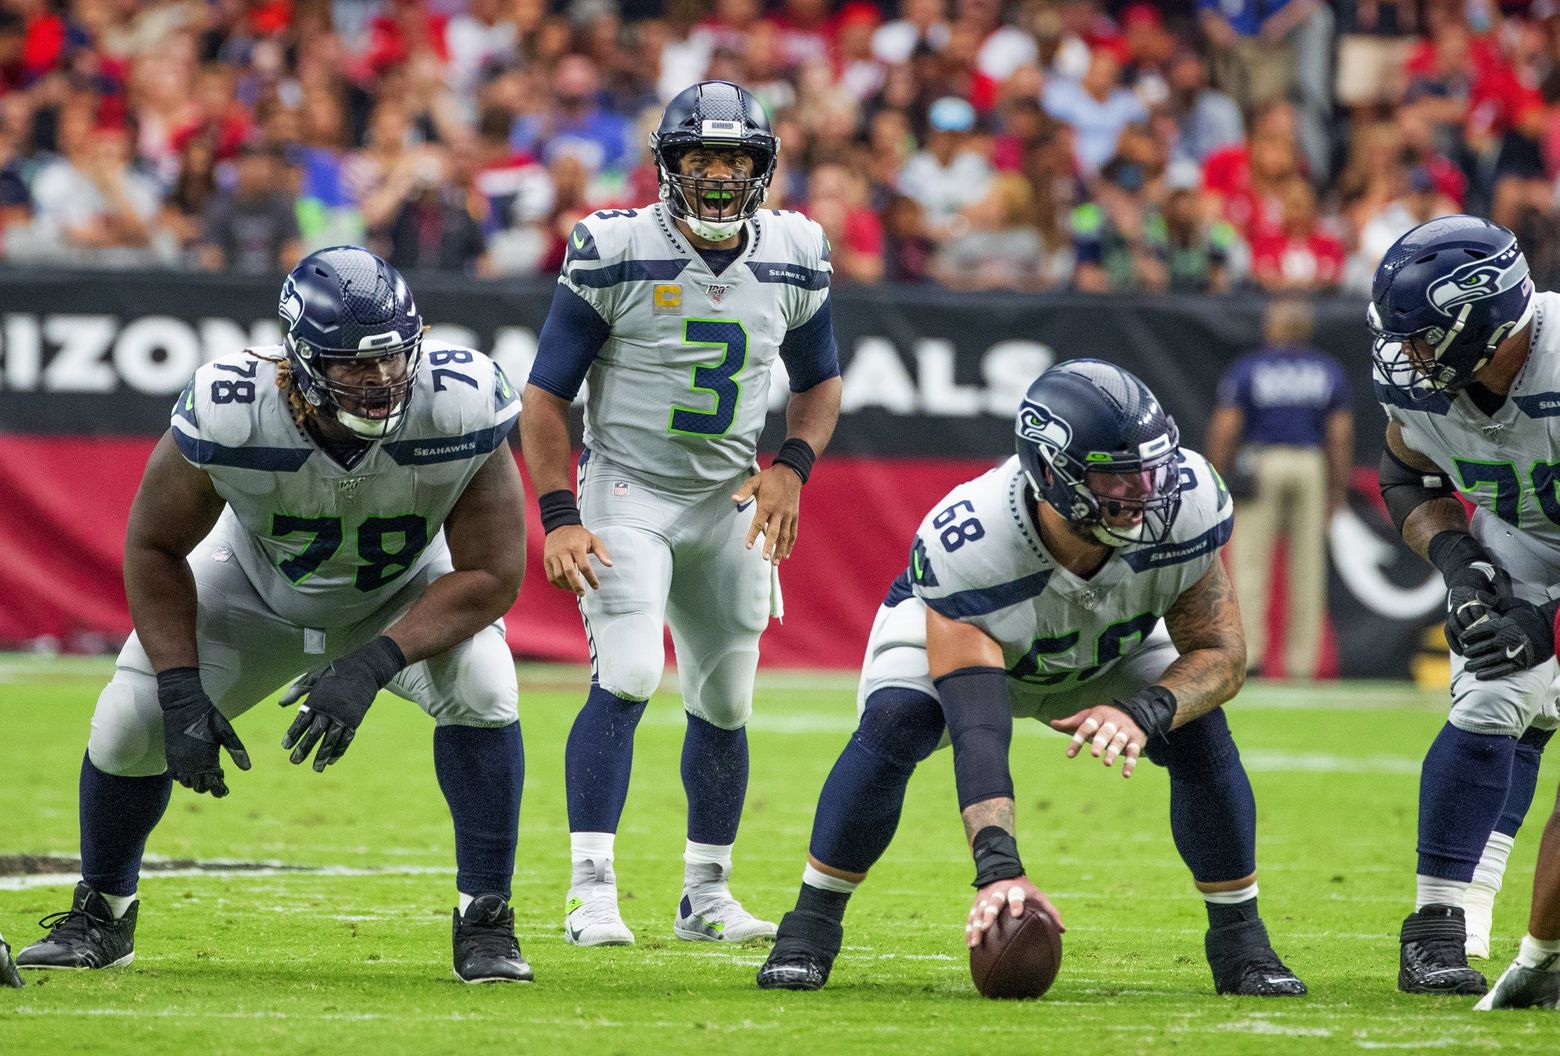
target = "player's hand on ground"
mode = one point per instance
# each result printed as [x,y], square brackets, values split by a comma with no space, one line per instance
[1108,731]
[1004,896]
[332,711]
[566,558]
[1513,637]
[777,509]
[194,731]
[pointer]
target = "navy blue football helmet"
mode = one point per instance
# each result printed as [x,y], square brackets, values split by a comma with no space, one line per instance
[714,114]
[1099,449]
[1444,296]
[341,304]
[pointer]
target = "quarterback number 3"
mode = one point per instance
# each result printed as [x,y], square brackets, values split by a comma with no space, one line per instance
[718,378]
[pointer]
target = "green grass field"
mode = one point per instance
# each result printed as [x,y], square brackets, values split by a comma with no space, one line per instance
[350,953]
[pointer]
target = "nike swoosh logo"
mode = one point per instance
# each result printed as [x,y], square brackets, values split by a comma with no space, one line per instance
[744,506]
[1511,654]
[579,243]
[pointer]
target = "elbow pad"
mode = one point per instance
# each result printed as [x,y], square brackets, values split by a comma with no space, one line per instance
[980,724]
[1405,488]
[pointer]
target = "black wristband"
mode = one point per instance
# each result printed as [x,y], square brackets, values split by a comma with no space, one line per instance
[1152,708]
[1452,551]
[383,658]
[996,856]
[558,509]
[798,454]
[177,685]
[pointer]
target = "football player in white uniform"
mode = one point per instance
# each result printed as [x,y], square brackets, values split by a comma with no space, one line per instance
[344,502]
[1037,590]
[1467,367]
[675,314]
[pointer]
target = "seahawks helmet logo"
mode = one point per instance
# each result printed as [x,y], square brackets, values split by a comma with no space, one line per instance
[291,308]
[1039,426]
[1479,279]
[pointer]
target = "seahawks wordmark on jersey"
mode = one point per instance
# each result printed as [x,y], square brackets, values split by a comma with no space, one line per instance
[978,558]
[1507,463]
[679,391]
[324,544]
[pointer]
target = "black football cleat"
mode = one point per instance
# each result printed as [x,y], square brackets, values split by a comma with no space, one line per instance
[9,976]
[1244,964]
[84,936]
[485,946]
[1434,957]
[804,951]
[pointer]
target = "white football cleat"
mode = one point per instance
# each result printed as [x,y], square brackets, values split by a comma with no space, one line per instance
[708,912]
[1521,987]
[590,913]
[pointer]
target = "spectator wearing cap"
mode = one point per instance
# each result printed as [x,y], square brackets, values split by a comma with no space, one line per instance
[1097,107]
[1283,437]
[253,228]
[949,173]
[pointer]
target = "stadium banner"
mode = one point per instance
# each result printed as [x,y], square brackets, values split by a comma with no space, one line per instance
[90,362]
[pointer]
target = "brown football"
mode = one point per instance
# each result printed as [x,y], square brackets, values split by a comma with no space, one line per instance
[1019,956]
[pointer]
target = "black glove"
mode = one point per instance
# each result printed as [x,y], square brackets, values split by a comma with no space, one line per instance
[1474,583]
[192,730]
[1517,635]
[338,701]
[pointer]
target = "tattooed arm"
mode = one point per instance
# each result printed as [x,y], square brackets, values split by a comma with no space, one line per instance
[1204,623]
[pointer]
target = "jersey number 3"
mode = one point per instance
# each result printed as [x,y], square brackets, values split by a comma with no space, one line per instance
[719,378]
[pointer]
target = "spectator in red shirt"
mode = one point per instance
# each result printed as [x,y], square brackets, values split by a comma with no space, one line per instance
[1300,256]
[837,199]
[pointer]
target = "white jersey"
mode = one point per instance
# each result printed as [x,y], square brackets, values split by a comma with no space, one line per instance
[679,391]
[978,558]
[1508,464]
[325,545]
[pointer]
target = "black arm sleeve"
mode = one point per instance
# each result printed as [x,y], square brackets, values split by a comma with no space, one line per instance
[980,723]
[1405,488]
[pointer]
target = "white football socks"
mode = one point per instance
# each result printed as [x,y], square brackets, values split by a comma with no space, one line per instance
[1230,898]
[1487,875]
[591,854]
[1434,890]
[117,904]
[1543,954]
[697,855]
[824,882]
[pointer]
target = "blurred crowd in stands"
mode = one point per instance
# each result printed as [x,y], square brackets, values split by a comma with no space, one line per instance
[1199,145]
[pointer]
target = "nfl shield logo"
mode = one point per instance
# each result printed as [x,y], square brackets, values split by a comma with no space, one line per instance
[717,291]
[620,487]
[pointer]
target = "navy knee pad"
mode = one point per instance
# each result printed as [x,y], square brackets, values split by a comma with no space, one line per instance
[901,726]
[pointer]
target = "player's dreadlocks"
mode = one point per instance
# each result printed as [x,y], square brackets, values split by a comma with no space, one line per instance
[297,406]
